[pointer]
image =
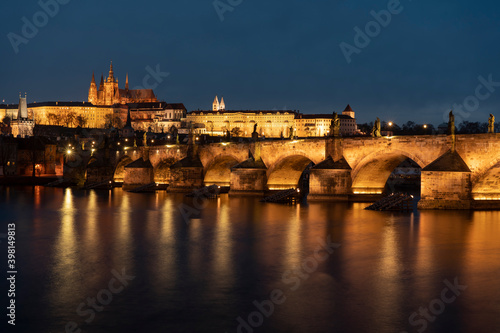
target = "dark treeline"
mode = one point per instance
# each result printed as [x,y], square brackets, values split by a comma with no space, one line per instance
[412,128]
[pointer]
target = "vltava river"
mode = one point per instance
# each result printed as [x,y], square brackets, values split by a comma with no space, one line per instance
[100,261]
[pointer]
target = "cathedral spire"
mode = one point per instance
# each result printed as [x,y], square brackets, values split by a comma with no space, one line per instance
[101,86]
[93,79]
[126,82]
[111,74]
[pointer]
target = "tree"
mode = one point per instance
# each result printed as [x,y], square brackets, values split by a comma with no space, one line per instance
[236,131]
[69,118]
[366,128]
[409,127]
[81,121]
[58,119]
[113,120]
[6,121]
[52,119]
[5,125]
[467,127]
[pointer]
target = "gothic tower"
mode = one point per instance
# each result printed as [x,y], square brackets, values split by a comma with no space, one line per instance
[93,91]
[222,106]
[216,105]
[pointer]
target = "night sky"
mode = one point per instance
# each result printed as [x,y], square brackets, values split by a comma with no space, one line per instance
[264,54]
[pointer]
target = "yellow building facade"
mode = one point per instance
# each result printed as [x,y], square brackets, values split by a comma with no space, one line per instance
[66,113]
[271,124]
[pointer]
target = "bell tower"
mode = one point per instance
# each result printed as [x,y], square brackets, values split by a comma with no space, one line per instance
[216,105]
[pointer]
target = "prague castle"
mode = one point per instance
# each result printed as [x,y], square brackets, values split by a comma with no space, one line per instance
[109,106]
[109,93]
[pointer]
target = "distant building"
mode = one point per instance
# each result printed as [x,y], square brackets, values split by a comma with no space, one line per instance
[270,123]
[219,106]
[71,114]
[159,116]
[319,124]
[22,125]
[109,93]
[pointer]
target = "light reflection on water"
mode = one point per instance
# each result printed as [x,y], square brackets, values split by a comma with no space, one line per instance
[199,274]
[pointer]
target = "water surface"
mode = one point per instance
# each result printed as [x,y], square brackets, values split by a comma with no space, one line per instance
[200,266]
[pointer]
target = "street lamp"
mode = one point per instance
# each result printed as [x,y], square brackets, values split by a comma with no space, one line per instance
[425,126]
[390,124]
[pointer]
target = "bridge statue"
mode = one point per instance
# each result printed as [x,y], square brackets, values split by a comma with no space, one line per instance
[491,124]
[451,124]
[145,140]
[255,135]
[290,135]
[376,129]
[335,125]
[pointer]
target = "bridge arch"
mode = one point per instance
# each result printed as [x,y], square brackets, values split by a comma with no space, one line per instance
[119,172]
[286,172]
[370,175]
[486,184]
[219,170]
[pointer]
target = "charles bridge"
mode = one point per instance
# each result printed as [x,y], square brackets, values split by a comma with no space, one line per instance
[458,171]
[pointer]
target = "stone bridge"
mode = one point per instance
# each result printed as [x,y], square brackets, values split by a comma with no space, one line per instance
[461,171]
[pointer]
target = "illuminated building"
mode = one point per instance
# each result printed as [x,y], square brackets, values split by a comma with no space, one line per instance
[109,93]
[271,124]
[319,124]
[21,123]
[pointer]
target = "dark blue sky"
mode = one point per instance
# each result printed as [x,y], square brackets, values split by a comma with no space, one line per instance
[265,54]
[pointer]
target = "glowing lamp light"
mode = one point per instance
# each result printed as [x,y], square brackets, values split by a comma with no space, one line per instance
[425,126]
[68,152]
[390,123]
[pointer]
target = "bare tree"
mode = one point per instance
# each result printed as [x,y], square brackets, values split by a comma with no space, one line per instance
[81,121]
[236,131]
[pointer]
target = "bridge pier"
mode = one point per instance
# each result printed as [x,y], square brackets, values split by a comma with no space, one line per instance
[330,180]
[249,178]
[186,175]
[138,173]
[446,183]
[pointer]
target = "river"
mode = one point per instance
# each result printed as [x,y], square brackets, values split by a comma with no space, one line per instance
[112,261]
